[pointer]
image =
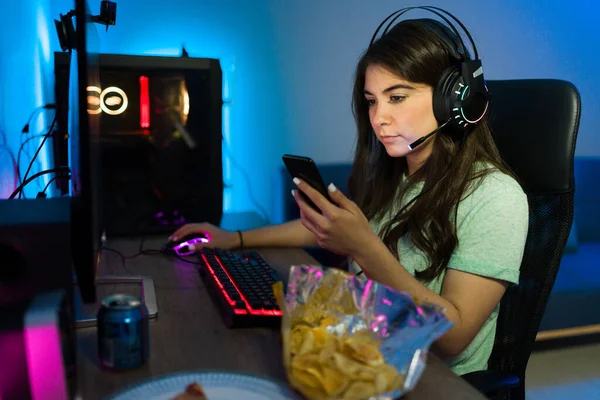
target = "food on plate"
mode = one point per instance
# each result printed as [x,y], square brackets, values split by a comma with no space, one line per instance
[192,392]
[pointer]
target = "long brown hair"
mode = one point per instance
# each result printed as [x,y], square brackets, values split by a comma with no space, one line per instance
[414,52]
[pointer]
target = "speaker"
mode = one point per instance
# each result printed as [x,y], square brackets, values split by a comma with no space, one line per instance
[38,347]
[37,326]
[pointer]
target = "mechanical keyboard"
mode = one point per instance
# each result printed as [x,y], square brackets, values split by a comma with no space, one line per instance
[241,285]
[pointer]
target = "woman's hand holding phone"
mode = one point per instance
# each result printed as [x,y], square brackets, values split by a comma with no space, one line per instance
[338,224]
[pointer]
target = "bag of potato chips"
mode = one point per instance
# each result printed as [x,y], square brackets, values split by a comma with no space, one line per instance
[346,337]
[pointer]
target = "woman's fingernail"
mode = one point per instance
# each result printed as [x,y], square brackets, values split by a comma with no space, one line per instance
[173,238]
[331,188]
[296,181]
[293,192]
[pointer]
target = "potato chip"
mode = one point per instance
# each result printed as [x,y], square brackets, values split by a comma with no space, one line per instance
[320,335]
[307,378]
[306,389]
[334,381]
[360,390]
[305,362]
[330,347]
[365,351]
[307,343]
[297,337]
[348,366]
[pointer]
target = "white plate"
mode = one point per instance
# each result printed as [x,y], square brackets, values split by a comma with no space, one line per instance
[216,385]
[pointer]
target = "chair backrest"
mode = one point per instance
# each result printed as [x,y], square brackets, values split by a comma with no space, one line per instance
[535,124]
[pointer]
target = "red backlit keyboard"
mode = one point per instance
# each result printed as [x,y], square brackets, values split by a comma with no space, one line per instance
[242,287]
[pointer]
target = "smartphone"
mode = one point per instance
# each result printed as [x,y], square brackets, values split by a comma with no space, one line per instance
[304,168]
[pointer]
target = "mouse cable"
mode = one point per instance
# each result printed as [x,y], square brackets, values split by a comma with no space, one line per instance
[123,258]
[188,261]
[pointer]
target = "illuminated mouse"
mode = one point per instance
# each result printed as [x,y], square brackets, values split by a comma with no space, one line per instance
[184,246]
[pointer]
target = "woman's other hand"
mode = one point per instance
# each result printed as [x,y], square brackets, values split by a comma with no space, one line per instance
[217,237]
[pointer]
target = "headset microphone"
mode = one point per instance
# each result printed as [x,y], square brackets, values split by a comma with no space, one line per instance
[420,141]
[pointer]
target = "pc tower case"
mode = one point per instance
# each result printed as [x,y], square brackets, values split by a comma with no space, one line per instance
[161,136]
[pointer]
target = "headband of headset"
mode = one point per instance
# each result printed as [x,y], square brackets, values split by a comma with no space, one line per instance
[440,13]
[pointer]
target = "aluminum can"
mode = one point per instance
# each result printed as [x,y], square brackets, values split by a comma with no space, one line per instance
[123,332]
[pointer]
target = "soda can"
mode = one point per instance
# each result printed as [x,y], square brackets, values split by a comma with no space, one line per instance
[123,332]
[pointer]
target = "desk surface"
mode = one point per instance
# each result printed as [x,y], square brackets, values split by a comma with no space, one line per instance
[188,333]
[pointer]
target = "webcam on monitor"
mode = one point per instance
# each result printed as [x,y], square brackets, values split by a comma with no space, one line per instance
[108,14]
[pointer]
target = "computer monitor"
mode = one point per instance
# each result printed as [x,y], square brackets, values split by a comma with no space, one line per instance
[84,160]
[43,240]
[85,163]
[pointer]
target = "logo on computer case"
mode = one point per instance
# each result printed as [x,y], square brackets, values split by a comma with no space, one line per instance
[112,100]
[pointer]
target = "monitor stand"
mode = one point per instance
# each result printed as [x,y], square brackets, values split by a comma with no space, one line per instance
[86,317]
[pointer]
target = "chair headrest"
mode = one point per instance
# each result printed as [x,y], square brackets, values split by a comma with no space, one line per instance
[535,124]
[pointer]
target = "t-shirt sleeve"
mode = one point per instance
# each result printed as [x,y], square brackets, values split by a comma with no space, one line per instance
[492,229]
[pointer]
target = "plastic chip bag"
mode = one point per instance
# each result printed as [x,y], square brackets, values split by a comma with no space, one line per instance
[346,337]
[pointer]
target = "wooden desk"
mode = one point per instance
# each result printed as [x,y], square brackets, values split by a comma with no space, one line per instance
[188,333]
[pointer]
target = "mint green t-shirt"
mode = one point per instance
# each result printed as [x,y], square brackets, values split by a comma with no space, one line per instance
[492,225]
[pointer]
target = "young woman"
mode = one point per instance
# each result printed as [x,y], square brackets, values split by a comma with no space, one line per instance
[445,222]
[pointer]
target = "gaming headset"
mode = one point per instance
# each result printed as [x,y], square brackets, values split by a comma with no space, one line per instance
[460,97]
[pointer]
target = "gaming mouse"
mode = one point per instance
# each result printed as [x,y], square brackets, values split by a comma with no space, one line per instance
[181,246]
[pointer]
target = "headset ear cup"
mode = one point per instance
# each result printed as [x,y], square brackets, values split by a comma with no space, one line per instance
[443,98]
